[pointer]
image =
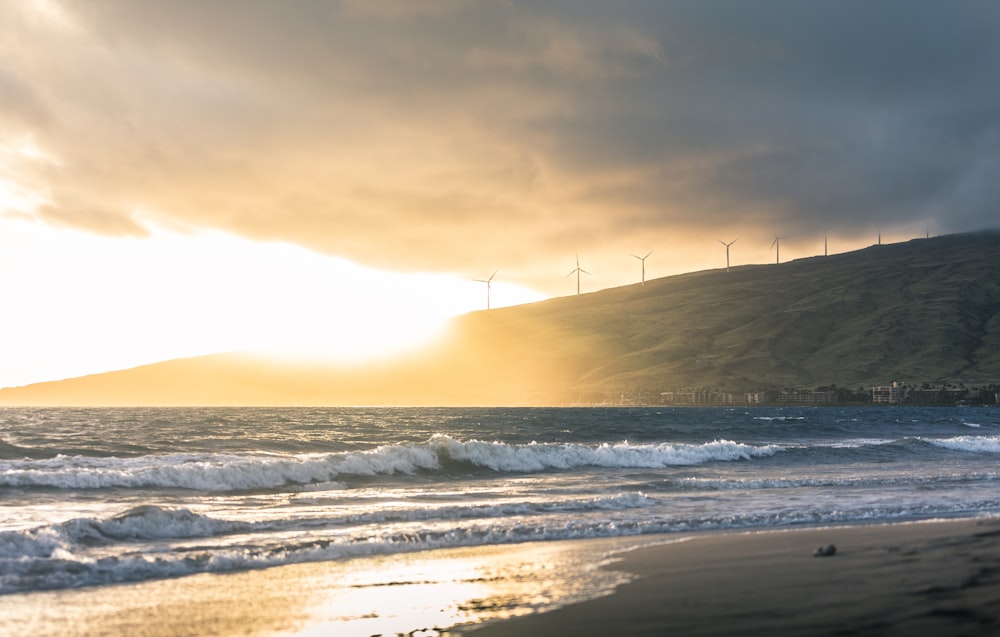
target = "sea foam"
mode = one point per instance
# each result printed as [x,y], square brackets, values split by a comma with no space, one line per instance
[233,472]
[976,444]
[501,456]
[52,558]
[145,522]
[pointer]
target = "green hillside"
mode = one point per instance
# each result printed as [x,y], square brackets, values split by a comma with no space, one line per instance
[923,311]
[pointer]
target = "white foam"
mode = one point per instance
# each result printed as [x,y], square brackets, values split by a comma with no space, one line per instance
[155,523]
[501,456]
[849,482]
[854,443]
[139,523]
[976,444]
[60,564]
[231,472]
[212,472]
[779,418]
[322,486]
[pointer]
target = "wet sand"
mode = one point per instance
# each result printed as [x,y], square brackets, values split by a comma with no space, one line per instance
[422,593]
[917,579]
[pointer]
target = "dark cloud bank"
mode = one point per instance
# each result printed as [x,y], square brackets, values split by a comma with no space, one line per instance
[509,126]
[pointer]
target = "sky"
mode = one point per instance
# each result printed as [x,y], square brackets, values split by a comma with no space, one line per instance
[179,177]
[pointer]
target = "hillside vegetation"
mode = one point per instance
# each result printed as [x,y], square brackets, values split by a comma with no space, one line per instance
[923,311]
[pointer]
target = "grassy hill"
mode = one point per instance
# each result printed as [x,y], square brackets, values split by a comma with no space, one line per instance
[923,311]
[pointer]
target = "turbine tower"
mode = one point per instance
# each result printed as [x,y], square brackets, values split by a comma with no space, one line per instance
[489,284]
[643,260]
[776,244]
[727,250]
[577,272]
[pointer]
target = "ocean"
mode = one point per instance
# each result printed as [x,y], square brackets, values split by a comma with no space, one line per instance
[106,497]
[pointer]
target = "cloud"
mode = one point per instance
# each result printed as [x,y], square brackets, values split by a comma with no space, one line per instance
[469,136]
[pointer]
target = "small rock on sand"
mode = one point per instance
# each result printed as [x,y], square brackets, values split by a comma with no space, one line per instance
[825,551]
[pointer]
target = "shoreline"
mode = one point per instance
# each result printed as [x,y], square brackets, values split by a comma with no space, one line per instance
[936,577]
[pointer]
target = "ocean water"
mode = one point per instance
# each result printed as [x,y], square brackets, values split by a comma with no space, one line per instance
[99,497]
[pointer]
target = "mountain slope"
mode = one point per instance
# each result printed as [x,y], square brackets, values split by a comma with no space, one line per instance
[925,310]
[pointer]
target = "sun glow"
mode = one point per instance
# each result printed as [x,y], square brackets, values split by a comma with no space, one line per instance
[78,303]
[15,198]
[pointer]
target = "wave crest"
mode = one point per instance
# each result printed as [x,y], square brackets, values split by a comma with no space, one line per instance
[500,456]
[975,444]
[234,472]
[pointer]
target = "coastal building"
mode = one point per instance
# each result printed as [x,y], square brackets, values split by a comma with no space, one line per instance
[806,397]
[686,397]
[928,397]
[713,397]
[730,398]
[888,394]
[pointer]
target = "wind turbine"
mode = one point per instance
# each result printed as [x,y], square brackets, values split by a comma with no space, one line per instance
[727,250]
[643,260]
[776,244]
[489,284]
[825,253]
[577,272]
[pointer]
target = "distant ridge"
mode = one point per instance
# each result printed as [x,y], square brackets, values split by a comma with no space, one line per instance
[927,310]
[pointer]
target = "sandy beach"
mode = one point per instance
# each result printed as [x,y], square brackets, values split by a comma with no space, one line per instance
[926,578]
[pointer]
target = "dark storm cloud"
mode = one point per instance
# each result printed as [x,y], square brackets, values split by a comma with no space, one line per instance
[826,112]
[438,134]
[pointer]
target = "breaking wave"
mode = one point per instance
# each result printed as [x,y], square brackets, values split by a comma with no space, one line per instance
[149,522]
[60,557]
[975,444]
[233,472]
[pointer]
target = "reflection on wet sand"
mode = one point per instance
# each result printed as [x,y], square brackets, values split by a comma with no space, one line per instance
[426,593]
